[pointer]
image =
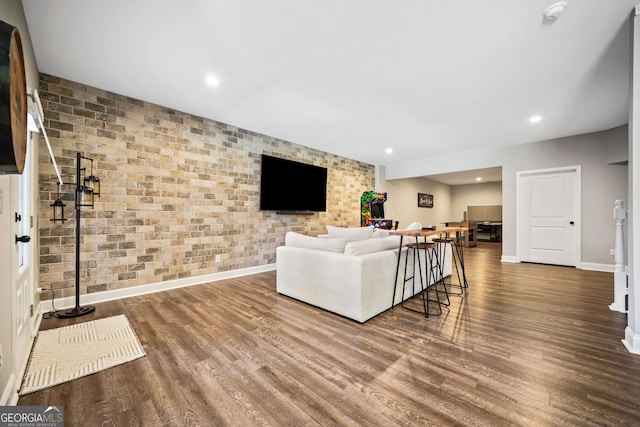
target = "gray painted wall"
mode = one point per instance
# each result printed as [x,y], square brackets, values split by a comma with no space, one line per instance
[489,193]
[402,200]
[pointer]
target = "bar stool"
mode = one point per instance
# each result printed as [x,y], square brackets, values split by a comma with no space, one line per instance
[437,273]
[430,277]
[441,250]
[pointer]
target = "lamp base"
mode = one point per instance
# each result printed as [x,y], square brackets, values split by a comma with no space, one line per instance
[76,312]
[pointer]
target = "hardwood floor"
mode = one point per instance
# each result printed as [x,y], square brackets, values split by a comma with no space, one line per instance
[527,345]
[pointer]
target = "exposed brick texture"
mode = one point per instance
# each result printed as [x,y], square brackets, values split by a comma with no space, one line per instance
[177,190]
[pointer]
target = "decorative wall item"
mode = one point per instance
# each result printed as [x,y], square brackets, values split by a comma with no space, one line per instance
[13,102]
[425,200]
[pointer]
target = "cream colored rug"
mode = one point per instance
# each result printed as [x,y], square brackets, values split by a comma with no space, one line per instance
[63,354]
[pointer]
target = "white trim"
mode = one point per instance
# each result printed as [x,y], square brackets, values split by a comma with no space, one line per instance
[595,266]
[618,308]
[631,341]
[592,266]
[10,393]
[25,360]
[577,169]
[116,294]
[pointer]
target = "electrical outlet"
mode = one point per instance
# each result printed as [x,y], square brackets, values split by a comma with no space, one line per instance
[612,251]
[218,258]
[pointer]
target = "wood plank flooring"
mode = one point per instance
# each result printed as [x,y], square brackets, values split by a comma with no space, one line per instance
[528,345]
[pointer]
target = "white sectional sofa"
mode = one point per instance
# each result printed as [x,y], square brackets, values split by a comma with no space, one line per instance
[349,271]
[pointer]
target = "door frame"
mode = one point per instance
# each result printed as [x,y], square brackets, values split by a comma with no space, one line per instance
[32,323]
[520,176]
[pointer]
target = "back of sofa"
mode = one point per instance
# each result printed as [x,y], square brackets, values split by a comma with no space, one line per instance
[357,287]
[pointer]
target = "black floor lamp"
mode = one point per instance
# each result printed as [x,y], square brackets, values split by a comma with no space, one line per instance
[86,188]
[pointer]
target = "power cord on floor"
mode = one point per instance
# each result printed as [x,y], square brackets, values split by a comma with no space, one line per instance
[53,312]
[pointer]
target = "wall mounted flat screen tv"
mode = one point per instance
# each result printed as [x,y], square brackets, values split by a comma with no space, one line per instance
[287,185]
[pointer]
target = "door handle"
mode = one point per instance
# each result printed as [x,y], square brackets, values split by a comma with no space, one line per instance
[23,239]
[571,222]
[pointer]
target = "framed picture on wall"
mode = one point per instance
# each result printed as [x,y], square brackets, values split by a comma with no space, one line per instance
[425,200]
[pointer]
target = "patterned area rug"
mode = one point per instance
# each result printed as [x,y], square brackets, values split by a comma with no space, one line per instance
[63,354]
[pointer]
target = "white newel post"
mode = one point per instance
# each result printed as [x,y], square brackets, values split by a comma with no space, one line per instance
[619,273]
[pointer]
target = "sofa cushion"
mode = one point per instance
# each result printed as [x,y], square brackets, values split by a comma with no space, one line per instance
[379,232]
[368,246]
[301,241]
[351,234]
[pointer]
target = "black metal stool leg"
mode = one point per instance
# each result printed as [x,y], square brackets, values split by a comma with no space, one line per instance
[437,275]
[432,279]
[395,283]
[460,253]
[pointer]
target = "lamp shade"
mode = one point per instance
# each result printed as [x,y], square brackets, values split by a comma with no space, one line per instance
[84,197]
[93,182]
[58,211]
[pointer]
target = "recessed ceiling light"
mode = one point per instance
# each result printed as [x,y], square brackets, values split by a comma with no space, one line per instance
[212,80]
[552,12]
[535,119]
[389,150]
[478,179]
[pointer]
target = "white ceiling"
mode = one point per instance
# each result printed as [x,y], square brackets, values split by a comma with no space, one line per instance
[469,177]
[354,77]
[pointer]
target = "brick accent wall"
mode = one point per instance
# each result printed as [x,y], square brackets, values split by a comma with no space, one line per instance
[177,190]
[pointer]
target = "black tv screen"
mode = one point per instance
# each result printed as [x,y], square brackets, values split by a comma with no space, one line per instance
[286,185]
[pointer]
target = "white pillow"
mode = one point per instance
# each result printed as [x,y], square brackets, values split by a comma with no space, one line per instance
[380,232]
[353,234]
[414,226]
[298,240]
[368,246]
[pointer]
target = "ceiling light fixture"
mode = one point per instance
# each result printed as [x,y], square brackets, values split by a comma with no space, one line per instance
[478,179]
[389,150]
[535,119]
[552,12]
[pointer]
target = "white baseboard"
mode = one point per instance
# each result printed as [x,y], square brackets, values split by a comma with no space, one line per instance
[631,341]
[617,307]
[10,393]
[98,297]
[607,268]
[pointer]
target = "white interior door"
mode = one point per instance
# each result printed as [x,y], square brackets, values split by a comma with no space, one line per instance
[549,216]
[22,260]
